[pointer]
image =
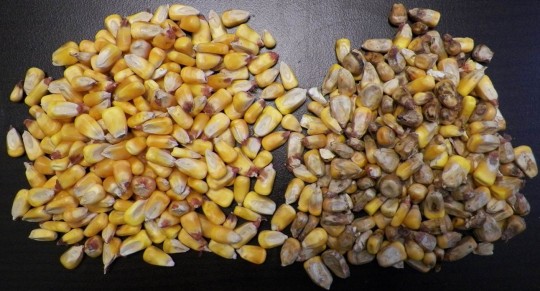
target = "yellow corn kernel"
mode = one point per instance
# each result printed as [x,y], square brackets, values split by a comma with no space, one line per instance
[486,91]
[33,176]
[139,118]
[469,82]
[60,164]
[95,98]
[200,146]
[178,152]
[216,125]
[225,151]
[128,230]
[106,58]
[122,174]
[254,111]
[39,90]
[191,224]
[192,167]
[14,143]
[244,31]
[263,62]
[216,167]
[160,156]
[244,165]
[172,245]
[155,205]
[260,204]
[422,84]
[127,91]
[288,78]
[450,131]
[212,48]
[157,257]
[115,121]
[268,39]
[212,211]
[203,34]
[283,217]
[196,244]
[71,237]
[251,146]
[234,17]
[289,122]
[504,187]
[426,131]
[236,60]
[69,177]
[40,234]
[31,146]
[242,101]
[96,225]
[315,238]
[158,125]
[155,233]
[108,232]
[241,188]
[329,121]
[267,121]
[372,206]
[110,252]
[135,215]
[246,214]
[222,250]
[89,127]
[239,130]
[20,204]
[274,140]
[71,215]
[218,233]
[47,124]
[116,151]
[232,113]
[486,171]
[270,239]
[135,243]
[32,77]
[56,226]
[182,59]
[267,77]
[180,117]
[123,36]
[265,181]
[71,258]
[252,254]
[263,159]
[218,101]
[63,56]
[184,46]
[33,128]
[222,197]
[216,27]
[161,141]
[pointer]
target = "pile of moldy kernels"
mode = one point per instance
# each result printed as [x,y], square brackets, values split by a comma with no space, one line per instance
[403,163]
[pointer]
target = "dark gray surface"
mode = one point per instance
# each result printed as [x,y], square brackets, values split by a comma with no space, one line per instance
[306,31]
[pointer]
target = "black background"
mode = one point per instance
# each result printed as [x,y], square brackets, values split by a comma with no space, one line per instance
[306,32]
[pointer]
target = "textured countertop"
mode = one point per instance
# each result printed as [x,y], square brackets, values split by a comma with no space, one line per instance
[306,31]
